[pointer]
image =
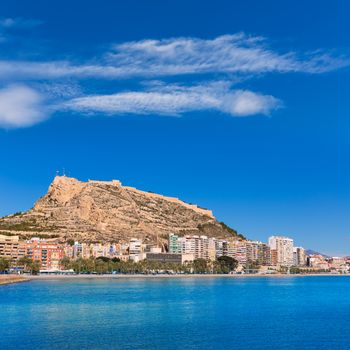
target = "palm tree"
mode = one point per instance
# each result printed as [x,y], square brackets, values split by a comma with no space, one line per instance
[4,264]
[34,267]
[65,263]
[25,262]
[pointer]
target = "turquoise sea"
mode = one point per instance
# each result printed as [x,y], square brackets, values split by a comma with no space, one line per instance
[177,313]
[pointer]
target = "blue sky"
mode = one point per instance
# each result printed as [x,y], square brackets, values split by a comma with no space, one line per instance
[238,106]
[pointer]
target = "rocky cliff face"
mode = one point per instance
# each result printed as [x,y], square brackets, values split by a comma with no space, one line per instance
[98,210]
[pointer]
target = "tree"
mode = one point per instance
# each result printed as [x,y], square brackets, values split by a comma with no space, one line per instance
[200,266]
[70,242]
[29,265]
[294,270]
[65,263]
[35,267]
[4,264]
[233,232]
[102,266]
[25,262]
[227,264]
[103,258]
[252,265]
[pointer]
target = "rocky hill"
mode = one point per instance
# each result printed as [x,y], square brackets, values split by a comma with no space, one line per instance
[107,211]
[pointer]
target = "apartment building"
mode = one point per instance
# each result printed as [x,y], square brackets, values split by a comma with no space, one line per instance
[170,257]
[47,253]
[238,250]
[282,248]
[201,247]
[299,256]
[136,250]
[173,244]
[12,248]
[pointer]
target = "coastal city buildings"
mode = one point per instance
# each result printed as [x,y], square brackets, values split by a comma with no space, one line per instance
[136,250]
[279,253]
[283,250]
[48,254]
[236,249]
[318,262]
[170,257]
[299,256]
[201,247]
[174,245]
[264,254]
[12,248]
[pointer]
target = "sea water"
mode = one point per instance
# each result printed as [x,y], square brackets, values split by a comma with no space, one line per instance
[177,313]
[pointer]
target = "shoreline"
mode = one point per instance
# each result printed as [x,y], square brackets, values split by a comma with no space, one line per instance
[10,279]
[195,276]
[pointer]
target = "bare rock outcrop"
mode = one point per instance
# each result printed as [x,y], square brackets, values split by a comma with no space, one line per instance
[107,211]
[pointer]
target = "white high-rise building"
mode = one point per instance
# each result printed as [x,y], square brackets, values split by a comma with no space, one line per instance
[136,250]
[283,248]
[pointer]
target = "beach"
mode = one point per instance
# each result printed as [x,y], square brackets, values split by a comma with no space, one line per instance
[8,279]
[161,276]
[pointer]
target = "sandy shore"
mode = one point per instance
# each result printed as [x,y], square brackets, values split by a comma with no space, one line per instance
[8,279]
[55,277]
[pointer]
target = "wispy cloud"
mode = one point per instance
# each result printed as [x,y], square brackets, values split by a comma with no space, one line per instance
[238,53]
[29,70]
[174,100]
[7,25]
[20,106]
[218,61]
[227,55]
[19,22]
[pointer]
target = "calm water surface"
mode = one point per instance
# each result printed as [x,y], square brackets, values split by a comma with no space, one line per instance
[208,313]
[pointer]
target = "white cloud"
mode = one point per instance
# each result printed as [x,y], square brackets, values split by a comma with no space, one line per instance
[243,103]
[174,100]
[233,57]
[227,55]
[20,106]
[54,70]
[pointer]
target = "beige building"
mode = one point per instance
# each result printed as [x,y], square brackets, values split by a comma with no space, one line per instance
[283,247]
[299,256]
[201,247]
[237,250]
[12,248]
[170,257]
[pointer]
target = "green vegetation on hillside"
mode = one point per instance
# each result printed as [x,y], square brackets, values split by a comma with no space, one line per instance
[29,225]
[28,236]
[233,232]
